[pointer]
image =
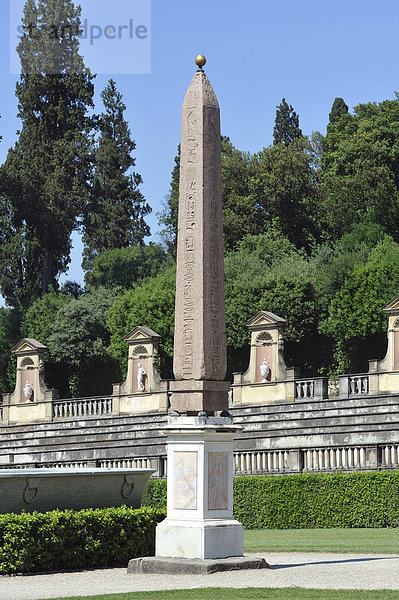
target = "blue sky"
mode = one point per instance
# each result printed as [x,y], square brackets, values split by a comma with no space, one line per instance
[258,51]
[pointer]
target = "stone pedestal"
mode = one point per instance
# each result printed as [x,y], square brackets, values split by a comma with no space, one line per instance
[195,396]
[200,521]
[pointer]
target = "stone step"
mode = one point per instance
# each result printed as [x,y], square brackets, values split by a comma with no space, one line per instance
[312,423]
[322,407]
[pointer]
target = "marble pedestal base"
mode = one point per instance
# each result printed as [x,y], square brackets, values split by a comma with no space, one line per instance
[200,522]
[203,539]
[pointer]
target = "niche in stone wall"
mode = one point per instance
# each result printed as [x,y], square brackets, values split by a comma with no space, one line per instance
[264,350]
[27,391]
[140,369]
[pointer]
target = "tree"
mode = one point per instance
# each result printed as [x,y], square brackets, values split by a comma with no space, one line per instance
[355,320]
[333,262]
[114,215]
[38,320]
[360,170]
[125,266]
[151,304]
[79,342]
[338,108]
[45,177]
[284,184]
[267,273]
[241,213]
[169,214]
[286,125]
[10,321]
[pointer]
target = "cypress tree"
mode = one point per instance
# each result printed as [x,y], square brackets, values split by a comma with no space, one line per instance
[286,126]
[44,181]
[114,217]
[338,108]
[168,216]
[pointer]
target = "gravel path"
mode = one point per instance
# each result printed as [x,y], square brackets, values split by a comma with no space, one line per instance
[295,569]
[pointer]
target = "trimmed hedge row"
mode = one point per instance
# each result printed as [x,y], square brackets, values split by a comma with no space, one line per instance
[305,501]
[67,539]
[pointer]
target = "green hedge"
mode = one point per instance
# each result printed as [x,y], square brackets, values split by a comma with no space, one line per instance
[308,500]
[67,539]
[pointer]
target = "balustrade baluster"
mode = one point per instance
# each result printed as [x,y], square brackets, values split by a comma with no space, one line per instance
[326,459]
[281,461]
[362,458]
[247,462]
[258,461]
[307,460]
[275,464]
[387,456]
[242,462]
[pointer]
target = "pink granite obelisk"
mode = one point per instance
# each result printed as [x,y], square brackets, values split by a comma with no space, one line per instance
[200,524]
[200,323]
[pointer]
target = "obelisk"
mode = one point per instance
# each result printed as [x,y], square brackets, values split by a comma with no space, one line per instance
[199,532]
[200,324]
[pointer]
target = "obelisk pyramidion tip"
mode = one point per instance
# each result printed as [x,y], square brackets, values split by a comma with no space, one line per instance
[200,61]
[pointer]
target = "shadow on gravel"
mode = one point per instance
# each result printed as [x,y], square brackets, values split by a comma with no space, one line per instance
[334,562]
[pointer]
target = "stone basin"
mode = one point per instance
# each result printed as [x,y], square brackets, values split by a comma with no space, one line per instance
[75,488]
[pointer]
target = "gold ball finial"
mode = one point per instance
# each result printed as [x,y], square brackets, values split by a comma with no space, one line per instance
[200,60]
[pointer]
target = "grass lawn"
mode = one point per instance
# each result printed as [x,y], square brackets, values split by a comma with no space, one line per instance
[384,541]
[249,594]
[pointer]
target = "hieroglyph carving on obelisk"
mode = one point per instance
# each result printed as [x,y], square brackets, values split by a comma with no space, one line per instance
[200,322]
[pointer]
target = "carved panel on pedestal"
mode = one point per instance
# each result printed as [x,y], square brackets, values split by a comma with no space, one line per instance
[185,480]
[218,469]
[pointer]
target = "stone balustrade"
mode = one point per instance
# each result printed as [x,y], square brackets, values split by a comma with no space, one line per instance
[346,458]
[82,407]
[133,463]
[353,385]
[260,462]
[311,389]
[358,384]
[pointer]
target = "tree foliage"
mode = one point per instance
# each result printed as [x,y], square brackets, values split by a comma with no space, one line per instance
[10,320]
[114,214]
[125,266]
[44,181]
[284,184]
[75,331]
[152,304]
[286,125]
[338,108]
[168,216]
[360,169]
[242,214]
[355,320]
[79,341]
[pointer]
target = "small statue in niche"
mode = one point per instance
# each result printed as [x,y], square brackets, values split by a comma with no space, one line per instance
[264,370]
[140,377]
[28,392]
